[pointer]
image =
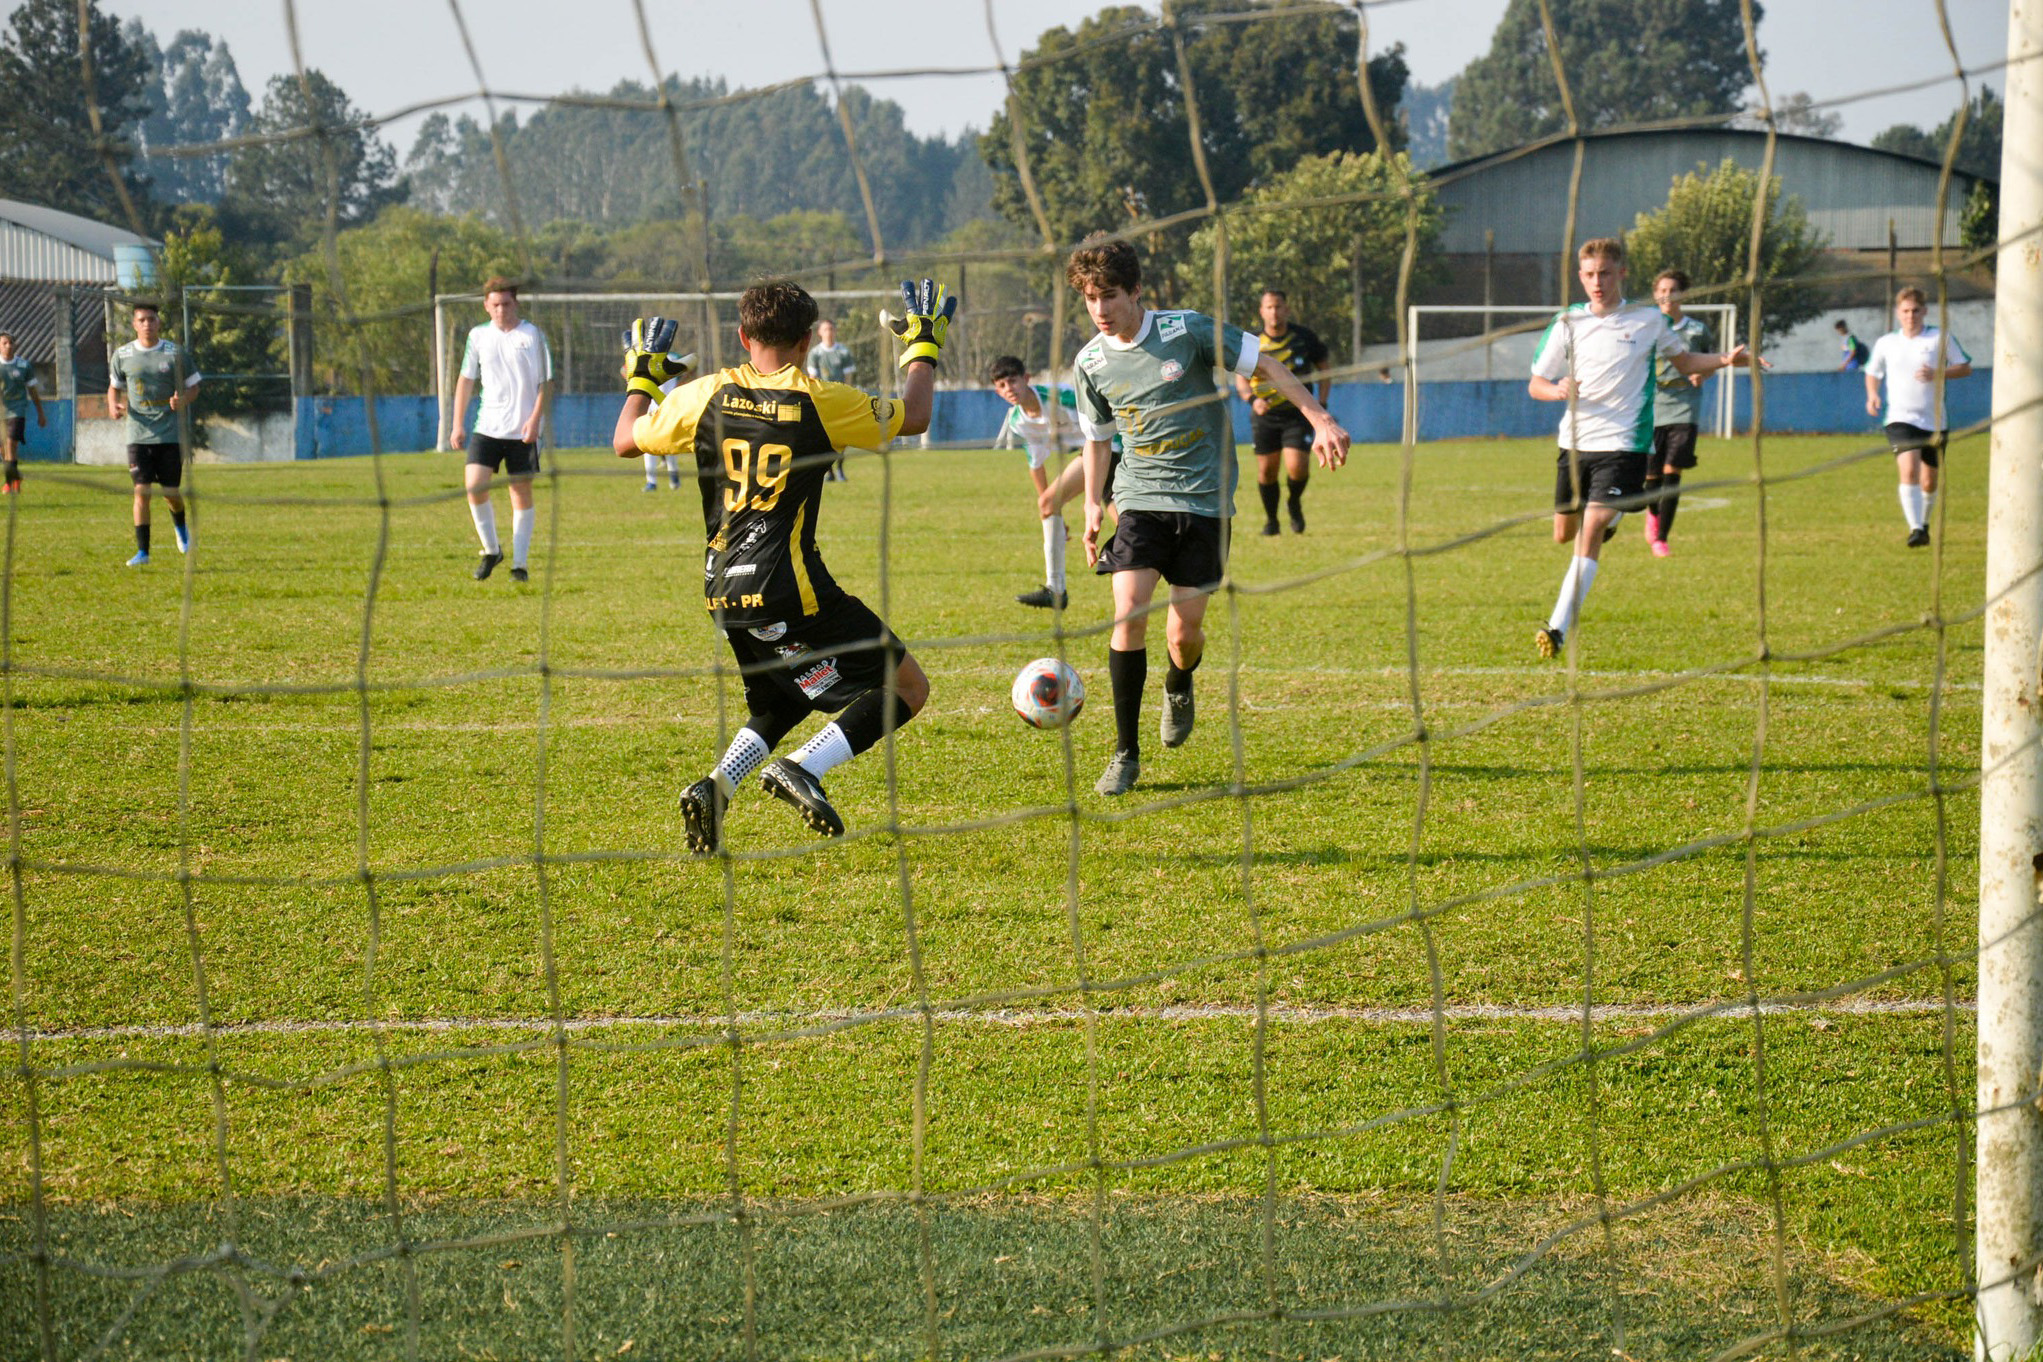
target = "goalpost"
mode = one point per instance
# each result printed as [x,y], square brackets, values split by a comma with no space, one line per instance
[600,319]
[1524,335]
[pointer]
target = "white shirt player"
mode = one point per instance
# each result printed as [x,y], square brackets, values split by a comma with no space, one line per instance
[1897,357]
[1035,432]
[511,366]
[1614,361]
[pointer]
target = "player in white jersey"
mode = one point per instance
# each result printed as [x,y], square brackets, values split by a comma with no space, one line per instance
[511,360]
[1910,358]
[1601,357]
[1044,434]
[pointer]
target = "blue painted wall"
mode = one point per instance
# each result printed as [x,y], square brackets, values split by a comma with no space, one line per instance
[1819,403]
[51,443]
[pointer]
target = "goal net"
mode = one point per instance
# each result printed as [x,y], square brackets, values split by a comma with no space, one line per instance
[1497,968]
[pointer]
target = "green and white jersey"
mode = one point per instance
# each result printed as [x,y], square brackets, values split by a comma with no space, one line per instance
[1678,401]
[1615,361]
[148,378]
[1177,450]
[17,376]
[832,362]
[1034,431]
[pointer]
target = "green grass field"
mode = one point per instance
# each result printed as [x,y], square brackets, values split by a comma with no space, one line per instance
[988,1075]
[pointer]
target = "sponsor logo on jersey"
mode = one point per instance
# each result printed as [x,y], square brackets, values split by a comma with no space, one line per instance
[1172,371]
[767,633]
[741,569]
[778,412]
[790,650]
[1170,325]
[818,678]
[751,537]
[1092,359]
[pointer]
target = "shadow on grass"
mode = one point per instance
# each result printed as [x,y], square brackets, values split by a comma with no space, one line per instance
[1177,1277]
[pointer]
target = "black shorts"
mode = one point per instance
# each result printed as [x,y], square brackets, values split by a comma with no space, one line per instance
[518,458]
[1281,427]
[1187,549]
[823,662]
[1673,447]
[1902,437]
[160,464]
[17,430]
[1608,479]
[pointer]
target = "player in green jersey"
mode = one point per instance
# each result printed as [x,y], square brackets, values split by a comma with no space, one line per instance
[17,389]
[151,383]
[1148,377]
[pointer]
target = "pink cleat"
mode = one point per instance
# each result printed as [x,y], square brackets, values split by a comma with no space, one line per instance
[1661,548]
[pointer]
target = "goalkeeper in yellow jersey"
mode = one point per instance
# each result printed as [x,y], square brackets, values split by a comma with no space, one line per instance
[762,437]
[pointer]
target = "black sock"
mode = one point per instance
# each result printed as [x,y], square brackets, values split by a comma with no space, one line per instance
[864,721]
[142,538]
[1269,495]
[12,472]
[1650,489]
[1670,497]
[1295,491]
[1178,680]
[1128,672]
[177,519]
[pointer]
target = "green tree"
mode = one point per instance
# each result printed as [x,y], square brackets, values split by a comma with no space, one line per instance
[285,186]
[1978,145]
[49,153]
[386,268]
[230,332]
[1104,121]
[1311,251]
[1706,230]
[195,97]
[1627,61]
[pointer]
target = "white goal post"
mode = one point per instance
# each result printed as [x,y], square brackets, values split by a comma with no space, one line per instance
[1725,318]
[689,308]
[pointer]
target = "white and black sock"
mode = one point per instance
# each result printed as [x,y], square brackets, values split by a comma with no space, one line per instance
[746,754]
[1574,590]
[827,749]
[485,517]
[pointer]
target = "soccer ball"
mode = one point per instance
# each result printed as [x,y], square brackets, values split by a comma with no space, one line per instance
[1048,694]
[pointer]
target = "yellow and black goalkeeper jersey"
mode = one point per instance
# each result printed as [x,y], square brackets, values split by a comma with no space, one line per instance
[1300,350]
[763,444]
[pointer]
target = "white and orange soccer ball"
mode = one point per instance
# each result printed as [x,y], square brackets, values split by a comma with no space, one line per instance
[1047,693]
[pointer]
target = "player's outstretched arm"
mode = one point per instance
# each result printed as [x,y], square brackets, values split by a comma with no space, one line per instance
[918,397]
[1329,438]
[1737,356]
[926,321]
[622,441]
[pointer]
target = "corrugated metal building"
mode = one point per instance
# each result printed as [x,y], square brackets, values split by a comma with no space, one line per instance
[1851,194]
[42,251]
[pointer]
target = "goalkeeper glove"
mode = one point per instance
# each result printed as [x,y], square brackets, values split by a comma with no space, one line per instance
[647,363]
[922,331]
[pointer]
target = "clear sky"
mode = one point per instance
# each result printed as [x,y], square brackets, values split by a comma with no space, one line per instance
[388,54]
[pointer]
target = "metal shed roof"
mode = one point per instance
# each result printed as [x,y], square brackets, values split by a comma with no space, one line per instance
[1850,192]
[44,243]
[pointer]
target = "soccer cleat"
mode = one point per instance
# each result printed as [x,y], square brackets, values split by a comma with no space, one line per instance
[1270,528]
[1549,641]
[1176,722]
[487,565]
[702,816]
[787,781]
[1043,598]
[1918,538]
[520,575]
[1297,520]
[1661,549]
[141,558]
[673,481]
[651,486]
[1120,775]
[184,537]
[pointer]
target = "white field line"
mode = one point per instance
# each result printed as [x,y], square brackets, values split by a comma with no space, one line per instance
[1020,1018]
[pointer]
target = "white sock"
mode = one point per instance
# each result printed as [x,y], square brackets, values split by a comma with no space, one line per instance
[1929,503]
[1574,589]
[673,466]
[827,749]
[652,466]
[746,754]
[1053,552]
[1911,505]
[485,516]
[521,533]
